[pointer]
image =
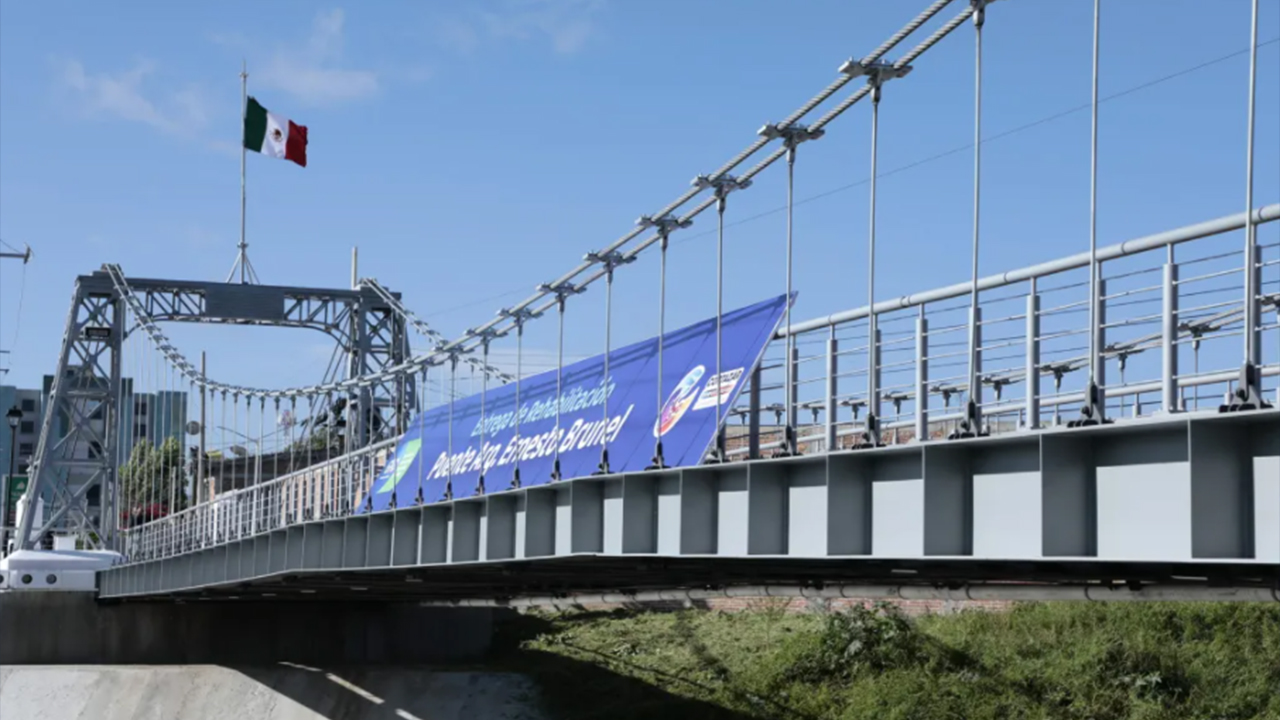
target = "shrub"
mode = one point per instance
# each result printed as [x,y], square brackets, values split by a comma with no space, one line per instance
[864,639]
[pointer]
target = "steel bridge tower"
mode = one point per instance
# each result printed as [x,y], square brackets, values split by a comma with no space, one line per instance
[81,443]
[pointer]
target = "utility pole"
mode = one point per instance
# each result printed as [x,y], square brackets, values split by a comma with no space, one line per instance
[13,416]
[25,257]
[201,491]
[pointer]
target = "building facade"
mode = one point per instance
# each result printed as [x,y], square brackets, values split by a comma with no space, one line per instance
[31,404]
[154,417]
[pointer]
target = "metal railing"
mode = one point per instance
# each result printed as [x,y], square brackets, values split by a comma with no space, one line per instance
[329,489]
[1171,311]
[1170,319]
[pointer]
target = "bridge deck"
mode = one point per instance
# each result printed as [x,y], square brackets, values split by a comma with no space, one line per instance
[1176,499]
[601,574]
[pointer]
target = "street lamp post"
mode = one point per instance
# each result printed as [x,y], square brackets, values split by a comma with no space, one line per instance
[14,416]
[241,451]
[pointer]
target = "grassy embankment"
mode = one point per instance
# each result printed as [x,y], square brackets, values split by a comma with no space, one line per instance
[1067,660]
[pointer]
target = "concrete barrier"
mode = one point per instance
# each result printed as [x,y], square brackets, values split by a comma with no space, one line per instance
[74,629]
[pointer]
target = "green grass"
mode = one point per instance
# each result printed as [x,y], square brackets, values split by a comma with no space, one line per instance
[1065,660]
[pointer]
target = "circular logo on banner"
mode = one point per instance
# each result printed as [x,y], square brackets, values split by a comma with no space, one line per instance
[399,465]
[678,402]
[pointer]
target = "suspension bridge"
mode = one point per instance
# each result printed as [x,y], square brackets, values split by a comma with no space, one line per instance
[1099,424]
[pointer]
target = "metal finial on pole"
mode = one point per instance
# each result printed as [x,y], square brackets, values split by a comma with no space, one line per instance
[242,264]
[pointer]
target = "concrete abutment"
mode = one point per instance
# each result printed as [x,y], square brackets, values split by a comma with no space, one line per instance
[46,628]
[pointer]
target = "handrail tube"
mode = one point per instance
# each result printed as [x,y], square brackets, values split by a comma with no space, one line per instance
[1227,223]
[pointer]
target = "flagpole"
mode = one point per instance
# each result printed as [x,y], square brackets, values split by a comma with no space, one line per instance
[247,275]
[244,105]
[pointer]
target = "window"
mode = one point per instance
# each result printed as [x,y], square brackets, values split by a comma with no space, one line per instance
[95,449]
[26,449]
[22,468]
[140,407]
[28,405]
[97,414]
[28,427]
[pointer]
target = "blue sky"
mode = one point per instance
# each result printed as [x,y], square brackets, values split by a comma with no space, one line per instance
[473,150]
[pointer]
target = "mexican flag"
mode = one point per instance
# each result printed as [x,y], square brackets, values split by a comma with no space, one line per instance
[274,136]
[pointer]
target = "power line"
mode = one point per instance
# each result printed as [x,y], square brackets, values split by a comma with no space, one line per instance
[25,256]
[912,165]
[998,136]
[485,301]
[22,294]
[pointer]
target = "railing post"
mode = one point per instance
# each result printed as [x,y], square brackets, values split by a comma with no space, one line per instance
[833,363]
[348,493]
[1169,339]
[873,397]
[975,392]
[793,394]
[1255,270]
[753,417]
[922,377]
[1100,379]
[1033,357]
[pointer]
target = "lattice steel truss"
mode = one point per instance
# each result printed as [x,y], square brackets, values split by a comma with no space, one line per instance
[79,447]
[378,342]
[77,451]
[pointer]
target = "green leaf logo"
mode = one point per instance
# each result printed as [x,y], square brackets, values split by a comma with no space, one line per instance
[400,464]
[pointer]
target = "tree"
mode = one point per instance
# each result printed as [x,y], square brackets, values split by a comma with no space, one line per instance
[154,476]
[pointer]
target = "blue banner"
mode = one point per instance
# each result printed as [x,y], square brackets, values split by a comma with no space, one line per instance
[490,438]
